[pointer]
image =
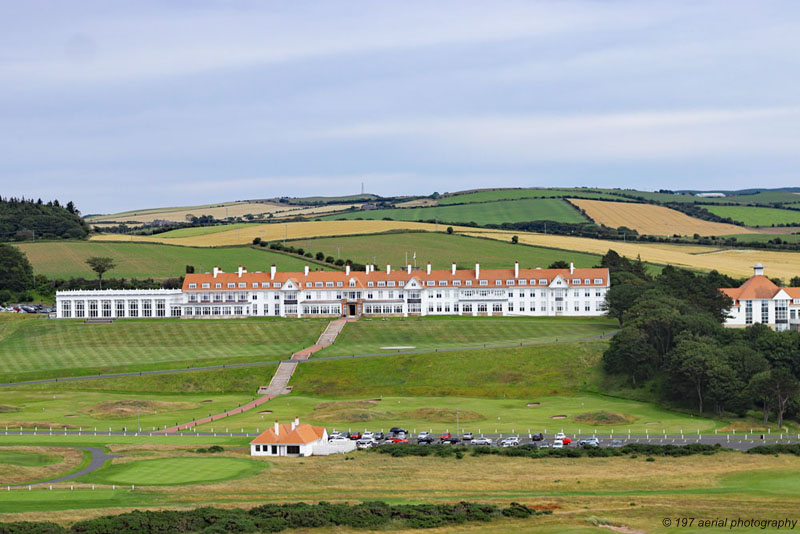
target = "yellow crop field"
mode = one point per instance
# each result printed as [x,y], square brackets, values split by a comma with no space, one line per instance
[277,231]
[218,211]
[652,220]
[732,262]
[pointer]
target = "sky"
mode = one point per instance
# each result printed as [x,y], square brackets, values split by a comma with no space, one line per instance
[126,105]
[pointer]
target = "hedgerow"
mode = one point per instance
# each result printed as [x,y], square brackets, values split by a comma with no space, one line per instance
[531,451]
[278,517]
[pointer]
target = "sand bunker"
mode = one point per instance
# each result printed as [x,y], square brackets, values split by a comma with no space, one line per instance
[130,408]
[265,411]
[604,418]
[558,417]
[533,404]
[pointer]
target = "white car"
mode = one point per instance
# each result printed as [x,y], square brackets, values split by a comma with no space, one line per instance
[558,444]
[510,442]
[368,435]
[423,435]
[365,443]
[481,441]
[561,435]
[334,435]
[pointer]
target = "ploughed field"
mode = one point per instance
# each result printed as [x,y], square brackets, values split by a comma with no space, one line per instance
[33,347]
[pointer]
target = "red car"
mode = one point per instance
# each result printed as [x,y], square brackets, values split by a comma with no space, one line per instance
[446,435]
[355,435]
[566,441]
[397,440]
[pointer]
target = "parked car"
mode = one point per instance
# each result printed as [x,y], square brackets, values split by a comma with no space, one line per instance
[365,443]
[541,444]
[560,435]
[558,444]
[334,435]
[397,430]
[537,437]
[378,436]
[509,442]
[426,440]
[422,435]
[481,441]
[467,436]
[616,443]
[395,439]
[589,442]
[446,435]
[368,435]
[355,436]
[452,440]
[566,441]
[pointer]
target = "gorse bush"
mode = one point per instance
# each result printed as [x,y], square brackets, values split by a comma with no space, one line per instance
[531,451]
[278,517]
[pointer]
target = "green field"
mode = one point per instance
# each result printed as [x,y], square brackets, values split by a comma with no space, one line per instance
[175,471]
[204,230]
[763,238]
[532,209]
[514,194]
[66,259]
[441,250]
[370,336]
[765,197]
[35,347]
[754,216]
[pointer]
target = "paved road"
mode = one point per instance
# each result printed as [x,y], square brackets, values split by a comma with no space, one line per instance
[99,458]
[273,362]
[733,441]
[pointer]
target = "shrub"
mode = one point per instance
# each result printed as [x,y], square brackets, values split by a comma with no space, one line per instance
[256,240]
[320,256]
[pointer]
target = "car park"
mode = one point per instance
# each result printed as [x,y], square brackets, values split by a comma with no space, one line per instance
[482,441]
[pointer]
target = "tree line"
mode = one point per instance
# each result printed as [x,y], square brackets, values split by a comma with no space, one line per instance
[25,219]
[672,339]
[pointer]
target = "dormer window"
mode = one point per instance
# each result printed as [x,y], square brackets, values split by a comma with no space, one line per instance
[328,284]
[401,283]
[317,284]
[576,281]
[533,282]
[522,282]
[264,284]
[218,285]
[370,284]
[231,285]
[243,285]
[276,285]
[442,282]
[543,281]
[456,282]
[587,281]
[339,284]
[352,283]
[430,283]
[468,282]
[509,282]
[206,285]
[484,282]
[598,281]
[498,282]
[255,285]
[390,283]
[381,284]
[308,284]
[192,286]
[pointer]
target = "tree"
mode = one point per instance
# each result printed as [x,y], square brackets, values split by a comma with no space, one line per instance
[629,354]
[658,316]
[449,229]
[559,264]
[784,389]
[694,361]
[760,389]
[16,273]
[794,282]
[189,269]
[320,256]
[256,240]
[515,239]
[100,265]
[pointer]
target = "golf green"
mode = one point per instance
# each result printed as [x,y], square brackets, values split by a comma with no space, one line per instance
[176,471]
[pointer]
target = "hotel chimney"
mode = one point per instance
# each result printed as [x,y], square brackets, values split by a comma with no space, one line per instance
[429,267]
[242,270]
[216,271]
[388,269]
[571,268]
[477,270]
[516,269]
[277,428]
[453,269]
[409,268]
[306,270]
[347,270]
[272,271]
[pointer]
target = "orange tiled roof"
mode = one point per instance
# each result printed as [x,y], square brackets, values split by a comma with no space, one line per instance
[301,435]
[362,278]
[756,288]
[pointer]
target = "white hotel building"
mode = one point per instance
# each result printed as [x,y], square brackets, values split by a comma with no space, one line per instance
[759,300]
[404,292]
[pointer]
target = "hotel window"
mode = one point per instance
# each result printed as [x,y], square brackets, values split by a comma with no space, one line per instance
[576,281]
[317,284]
[401,283]
[511,294]
[255,285]
[498,282]
[748,312]
[439,307]
[217,297]
[414,308]
[439,294]
[120,308]
[430,307]
[242,297]
[780,311]
[430,283]
[264,285]
[586,281]
[467,308]
[161,308]
[66,309]
[456,283]
[175,311]
[218,286]
[509,282]
[511,306]
[79,308]
[497,307]
[522,282]
[577,307]
[587,308]
[765,311]
[468,282]
[587,293]
[442,282]
[328,284]
[598,281]
[231,285]
[598,293]
[106,308]
[370,284]
[390,283]
[533,282]
[277,310]
[147,308]
[276,285]
[192,286]
[482,308]
[206,285]
[215,310]
[484,282]
[543,282]
[291,309]
[381,284]
[133,308]
[242,285]
[352,283]
[576,293]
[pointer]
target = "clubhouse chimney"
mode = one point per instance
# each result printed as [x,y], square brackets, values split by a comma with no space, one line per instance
[347,270]
[758,270]
[571,268]
[306,270]
[453,269]
[516,269]
[272,270]
[477,270]
[296,421]
[216,271]
[277,428]
[388,269]
[429,267]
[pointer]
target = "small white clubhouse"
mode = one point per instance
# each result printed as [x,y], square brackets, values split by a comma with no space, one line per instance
[759,300]
[297,440]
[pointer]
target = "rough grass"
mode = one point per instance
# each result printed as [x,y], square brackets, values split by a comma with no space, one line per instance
[443,415]
[74,348]
[651,219]
[440,250]
[24,464]
[127,408]
[755,216]
[529,209]
[67,259]
[603,417]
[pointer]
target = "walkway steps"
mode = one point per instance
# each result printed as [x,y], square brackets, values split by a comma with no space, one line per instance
[279,385]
